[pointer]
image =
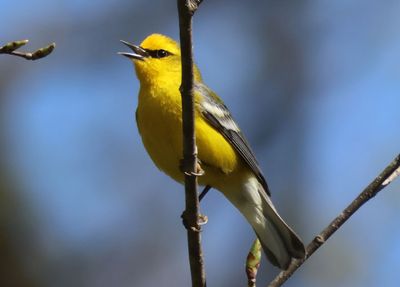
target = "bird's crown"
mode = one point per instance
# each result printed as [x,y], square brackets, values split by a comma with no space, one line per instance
[160,42]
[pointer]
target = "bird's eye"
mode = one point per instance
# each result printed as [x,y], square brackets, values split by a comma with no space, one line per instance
[161,53]
[158,53]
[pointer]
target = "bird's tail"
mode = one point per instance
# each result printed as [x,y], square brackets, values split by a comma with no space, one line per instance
[279,242]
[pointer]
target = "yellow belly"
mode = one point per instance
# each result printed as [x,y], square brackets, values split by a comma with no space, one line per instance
[160,125]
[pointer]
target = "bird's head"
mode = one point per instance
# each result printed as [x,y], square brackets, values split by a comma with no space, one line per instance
[157,58]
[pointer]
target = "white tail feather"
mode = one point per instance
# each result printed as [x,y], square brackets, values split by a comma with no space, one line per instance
[279,242]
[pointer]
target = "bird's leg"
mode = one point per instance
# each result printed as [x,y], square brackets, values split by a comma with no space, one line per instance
[201,219]
[198,170]
[204,192]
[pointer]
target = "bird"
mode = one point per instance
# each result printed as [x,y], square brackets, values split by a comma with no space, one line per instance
[227,162]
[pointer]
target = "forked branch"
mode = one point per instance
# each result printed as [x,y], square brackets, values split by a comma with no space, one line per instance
[11,49]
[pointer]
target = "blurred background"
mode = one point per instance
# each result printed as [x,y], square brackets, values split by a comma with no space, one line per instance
[314,84]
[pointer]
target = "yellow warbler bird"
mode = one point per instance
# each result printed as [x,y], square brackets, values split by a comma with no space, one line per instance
[224,154]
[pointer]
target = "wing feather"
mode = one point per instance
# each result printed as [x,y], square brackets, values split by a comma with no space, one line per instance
[219,117]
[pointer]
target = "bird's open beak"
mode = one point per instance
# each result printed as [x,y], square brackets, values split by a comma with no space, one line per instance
[138,52]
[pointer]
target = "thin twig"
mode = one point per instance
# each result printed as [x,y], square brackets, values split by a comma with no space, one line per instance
[11,47]
[380,182]
[186,9]
[253,263]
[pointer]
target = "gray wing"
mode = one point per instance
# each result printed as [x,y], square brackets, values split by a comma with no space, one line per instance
[218,115]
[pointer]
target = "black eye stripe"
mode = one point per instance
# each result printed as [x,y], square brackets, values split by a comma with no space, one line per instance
[158,53]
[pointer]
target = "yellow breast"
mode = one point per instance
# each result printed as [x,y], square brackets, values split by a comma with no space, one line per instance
[160,125]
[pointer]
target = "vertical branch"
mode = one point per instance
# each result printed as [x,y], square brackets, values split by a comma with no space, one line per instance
[380,182]
[186,9]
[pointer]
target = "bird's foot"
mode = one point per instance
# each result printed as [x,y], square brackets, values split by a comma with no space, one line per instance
[199,171]
[201,220]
